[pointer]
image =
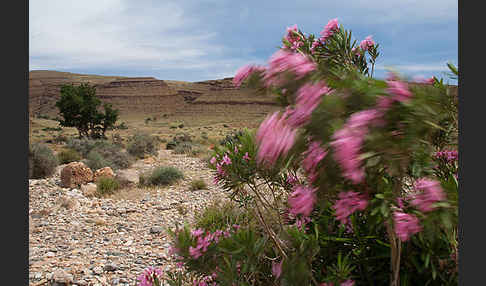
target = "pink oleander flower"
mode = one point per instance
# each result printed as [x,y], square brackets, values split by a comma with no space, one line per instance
[236,149]
[293,38]
[226,160]
[423,80]
[285,61]
[275,138]
[195,252]
[315,44]
[431,193]
[448,155]
[348,140]
[198,232]
[348,282]
[347,145]
[291,179]
[384,103]
[212,161]
[366,43]
[302,200]
[243,73]
[314,154]
[348,203]
[406,225]
[301,222]
[246,156]
[308,98]
[277,269]
[147,278]
[399,90]
[329,29]
[219,169]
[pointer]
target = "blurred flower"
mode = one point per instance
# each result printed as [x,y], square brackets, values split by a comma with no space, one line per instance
[308,98]
[302,200]
[314,154]
[432,193]
[348,282]
[348,203]
[406,225]
[212,161]
[275,138]
[285,61]
[277,269]
[244,72]
[246,157]
[399,90]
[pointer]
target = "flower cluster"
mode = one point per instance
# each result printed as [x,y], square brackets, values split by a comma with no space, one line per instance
[204,241]
[285,61]
[399,90]
[244,72]
[348,203]
[366,43]
[219,166]
[277,268]
[348,140]
[331,27]
[406,225]
[275,138]
[431,193]
[448,155]
[206,280]
[308,98]
[294,38]
[302,200]
[149,275]
[314,154]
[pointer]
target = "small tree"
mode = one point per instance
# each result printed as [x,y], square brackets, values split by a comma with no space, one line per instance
[79,108]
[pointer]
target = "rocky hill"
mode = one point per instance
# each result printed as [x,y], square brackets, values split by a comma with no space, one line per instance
[147,95]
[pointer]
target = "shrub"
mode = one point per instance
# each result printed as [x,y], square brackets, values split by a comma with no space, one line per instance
[142,144]
[198,184]
[183,148]
[95,161]
[68,156]
[219,215]
[83,146]
[43,161]
[106,186]
[105,154]
[161,176]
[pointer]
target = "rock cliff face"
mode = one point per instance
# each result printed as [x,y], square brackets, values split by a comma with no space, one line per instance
[147,95]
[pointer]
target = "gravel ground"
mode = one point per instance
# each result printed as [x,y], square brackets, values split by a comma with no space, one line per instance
[75,240]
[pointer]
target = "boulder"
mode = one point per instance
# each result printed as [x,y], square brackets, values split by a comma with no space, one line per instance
[103,172]
[75,174]
[88,190]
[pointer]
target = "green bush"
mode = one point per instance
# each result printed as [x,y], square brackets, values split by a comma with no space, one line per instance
[68,156]
[108,155]
[198,184]
[83,146]
[106,186]
[161,176]
[95,161]
[43,161]
[219,215]
[141,144]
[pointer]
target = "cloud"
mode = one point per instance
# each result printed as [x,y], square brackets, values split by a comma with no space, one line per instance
[198,40]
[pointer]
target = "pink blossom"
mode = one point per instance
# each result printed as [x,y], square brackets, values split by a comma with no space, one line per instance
[285,61]
[348,140]
[236,149]
[448,155]
[147,277]
[326,284]
[277,269]
[291,179]
[275,138]
[348,282]
[399,90]
[432,193]
[246,157]
[212,161]
[315,44]
[195,252]
[329,29]
[308,98]
[406,225]
[293,38]
[366,43]
[302,200]
[302,221]
[226,160]
[197,232]
[243,73]
[313,156]
[348,203]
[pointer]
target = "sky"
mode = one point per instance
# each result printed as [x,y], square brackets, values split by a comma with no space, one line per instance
[210,39]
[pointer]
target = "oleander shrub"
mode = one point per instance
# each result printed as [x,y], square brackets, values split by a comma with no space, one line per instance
[161,176]
[43,161]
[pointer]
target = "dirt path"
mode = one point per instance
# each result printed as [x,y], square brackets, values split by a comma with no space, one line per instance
[110,241]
